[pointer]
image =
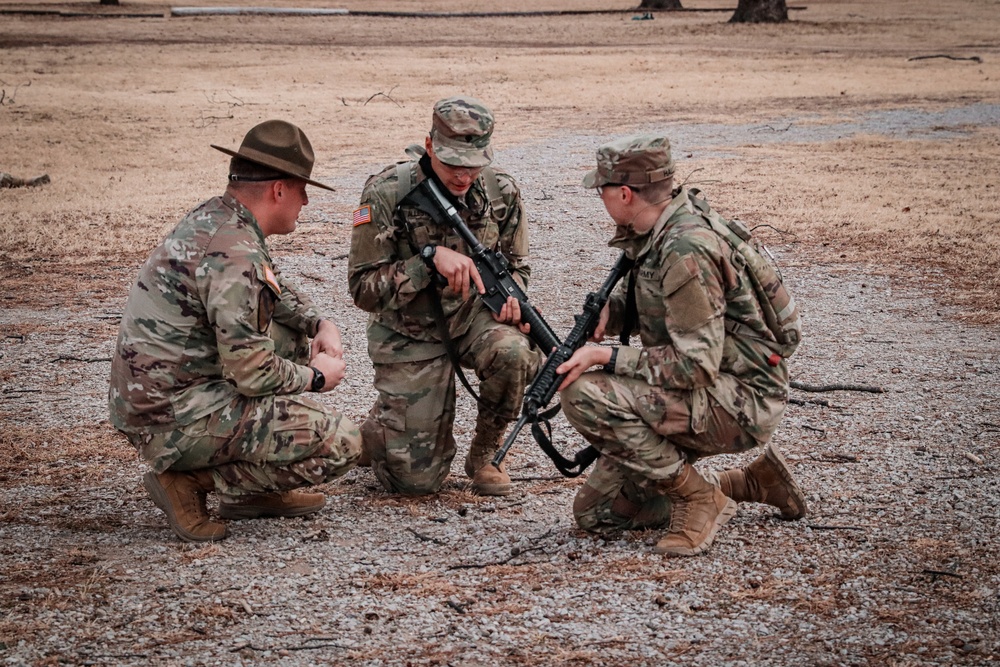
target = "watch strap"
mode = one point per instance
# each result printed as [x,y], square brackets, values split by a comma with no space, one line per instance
[318,381]
[610,366]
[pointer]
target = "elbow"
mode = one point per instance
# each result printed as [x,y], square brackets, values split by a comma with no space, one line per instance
[358,294]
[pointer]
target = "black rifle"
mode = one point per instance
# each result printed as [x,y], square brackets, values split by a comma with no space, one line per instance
[493,267]
[546,382]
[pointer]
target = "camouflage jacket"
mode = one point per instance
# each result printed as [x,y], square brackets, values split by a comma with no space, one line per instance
[194,334]
[388,279]
[690,286]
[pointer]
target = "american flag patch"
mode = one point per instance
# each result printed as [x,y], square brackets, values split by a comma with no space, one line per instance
[362,215]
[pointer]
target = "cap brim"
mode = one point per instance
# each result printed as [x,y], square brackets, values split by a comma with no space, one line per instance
[462,157]
[593,179]
[310,181]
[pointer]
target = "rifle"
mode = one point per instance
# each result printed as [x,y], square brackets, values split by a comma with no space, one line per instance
[493,267]
[546,382]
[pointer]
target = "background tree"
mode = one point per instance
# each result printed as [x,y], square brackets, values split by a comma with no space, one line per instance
[760,11]
[660,4]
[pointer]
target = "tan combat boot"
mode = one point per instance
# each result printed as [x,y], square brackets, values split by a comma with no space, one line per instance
[289,503]
[766,480]
[181,496]
[487,480]
[698,510]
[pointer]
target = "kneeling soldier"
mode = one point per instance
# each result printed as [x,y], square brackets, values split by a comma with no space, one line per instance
[213,355]
[707,379]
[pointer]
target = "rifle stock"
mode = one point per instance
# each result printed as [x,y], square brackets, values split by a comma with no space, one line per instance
[546,382]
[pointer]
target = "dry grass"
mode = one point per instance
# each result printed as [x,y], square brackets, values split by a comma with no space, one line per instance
[30,457]
[122,113]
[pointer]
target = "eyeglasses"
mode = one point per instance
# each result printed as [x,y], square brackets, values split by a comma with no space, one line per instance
[600,188]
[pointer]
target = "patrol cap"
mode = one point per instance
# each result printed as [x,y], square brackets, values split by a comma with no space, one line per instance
[461,128]
[637,160]
[280,146]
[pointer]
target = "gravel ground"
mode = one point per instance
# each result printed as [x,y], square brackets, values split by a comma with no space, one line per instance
[896,563]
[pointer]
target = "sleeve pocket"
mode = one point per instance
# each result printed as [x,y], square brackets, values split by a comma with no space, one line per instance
[688,302]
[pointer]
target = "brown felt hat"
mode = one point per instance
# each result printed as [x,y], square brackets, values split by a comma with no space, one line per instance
[278,145]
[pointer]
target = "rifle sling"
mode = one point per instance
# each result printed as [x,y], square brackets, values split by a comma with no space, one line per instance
[449,346]
[541,430]
[631,318]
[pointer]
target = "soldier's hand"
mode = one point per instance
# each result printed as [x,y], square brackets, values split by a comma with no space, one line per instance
[602,325]
[331,367]
[511,314]
[458,269]
[327,340]
[581,361]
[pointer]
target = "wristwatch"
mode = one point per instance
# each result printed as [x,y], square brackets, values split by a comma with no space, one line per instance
[319,380]
[427,254]
[610,366]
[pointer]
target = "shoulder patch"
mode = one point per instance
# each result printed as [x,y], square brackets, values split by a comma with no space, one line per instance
[271,279]
[362,215]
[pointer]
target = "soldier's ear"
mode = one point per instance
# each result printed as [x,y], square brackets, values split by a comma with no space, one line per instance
[277,191]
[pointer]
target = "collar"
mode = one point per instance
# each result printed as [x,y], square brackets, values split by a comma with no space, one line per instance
[635,244]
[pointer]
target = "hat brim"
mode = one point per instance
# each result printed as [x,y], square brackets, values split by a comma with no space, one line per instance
[594,179]
[462,157]
[272,164]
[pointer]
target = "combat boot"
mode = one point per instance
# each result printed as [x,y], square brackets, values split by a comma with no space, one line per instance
[289,503]
[487,480]
[181,496]
[639,508]
[766,480]
[698,510]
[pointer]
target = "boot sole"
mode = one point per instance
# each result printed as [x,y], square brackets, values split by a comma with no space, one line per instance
[159,497]
[795,493]
[492,489]
[727,513]
[238,512]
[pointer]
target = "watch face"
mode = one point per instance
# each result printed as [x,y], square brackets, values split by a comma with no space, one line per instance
[427,252]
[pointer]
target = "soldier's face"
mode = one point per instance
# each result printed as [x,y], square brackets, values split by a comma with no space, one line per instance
[614,202]
[458,180]
[291,198]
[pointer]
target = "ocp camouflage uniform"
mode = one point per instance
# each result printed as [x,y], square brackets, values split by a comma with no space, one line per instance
[210,363]
[694,388]
[409,429]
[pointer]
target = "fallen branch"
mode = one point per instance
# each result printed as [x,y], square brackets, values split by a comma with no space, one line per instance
[811,401]
[386,96]
[515,552]
[835,387]
[975,59]
[943,573]
[844,458]
[86,360]
[9,99]
[460,608]
[425,538]
[818,526]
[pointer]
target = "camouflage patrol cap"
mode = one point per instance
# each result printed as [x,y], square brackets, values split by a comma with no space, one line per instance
[461,128]
[635,160]
[280,146]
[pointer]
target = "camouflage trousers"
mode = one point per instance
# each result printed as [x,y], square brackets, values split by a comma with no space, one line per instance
[408,431]
[260,444]
[644,434]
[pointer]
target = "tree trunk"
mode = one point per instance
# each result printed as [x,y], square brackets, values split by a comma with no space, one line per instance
[660,4]
[760,11]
